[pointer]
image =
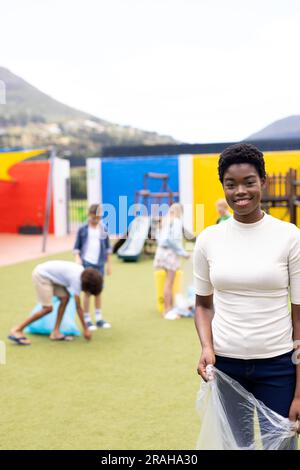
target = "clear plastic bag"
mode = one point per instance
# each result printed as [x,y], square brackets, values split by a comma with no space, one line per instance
[233,419]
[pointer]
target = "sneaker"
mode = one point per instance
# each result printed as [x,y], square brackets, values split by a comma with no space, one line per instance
[103,324]
[90,326]
[171,315]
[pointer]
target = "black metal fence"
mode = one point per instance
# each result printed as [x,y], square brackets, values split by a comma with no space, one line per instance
[77,196]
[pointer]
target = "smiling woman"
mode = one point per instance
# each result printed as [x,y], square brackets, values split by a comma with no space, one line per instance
[244,269]
[242,173]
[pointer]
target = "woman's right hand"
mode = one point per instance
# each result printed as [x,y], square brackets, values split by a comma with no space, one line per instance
[207,357]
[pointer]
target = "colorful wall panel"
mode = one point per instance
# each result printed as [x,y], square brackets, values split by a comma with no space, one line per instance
[121,177]
[23,197]
[22,201]
[207,188]
[194,176]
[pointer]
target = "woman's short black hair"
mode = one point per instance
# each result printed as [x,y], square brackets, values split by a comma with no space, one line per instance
[91,281]
[241,153]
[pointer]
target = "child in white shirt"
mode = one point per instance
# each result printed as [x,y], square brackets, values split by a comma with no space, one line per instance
[92,249]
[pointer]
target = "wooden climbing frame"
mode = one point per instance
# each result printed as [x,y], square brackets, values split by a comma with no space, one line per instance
[283,190]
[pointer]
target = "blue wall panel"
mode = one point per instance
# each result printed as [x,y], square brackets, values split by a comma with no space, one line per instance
[125,175]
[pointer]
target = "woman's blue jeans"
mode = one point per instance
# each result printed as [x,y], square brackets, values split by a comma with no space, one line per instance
[271,381]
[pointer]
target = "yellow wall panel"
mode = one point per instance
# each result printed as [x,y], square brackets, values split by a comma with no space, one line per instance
[207,188]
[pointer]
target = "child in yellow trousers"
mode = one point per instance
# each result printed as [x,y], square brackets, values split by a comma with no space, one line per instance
[168,253]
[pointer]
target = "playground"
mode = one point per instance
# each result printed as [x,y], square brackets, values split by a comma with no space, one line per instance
[132,387]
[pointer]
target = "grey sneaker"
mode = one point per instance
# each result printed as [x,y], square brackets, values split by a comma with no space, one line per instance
[90,326]
[103,324]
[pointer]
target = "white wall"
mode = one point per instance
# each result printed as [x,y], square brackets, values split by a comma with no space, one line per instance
[94,180]
[186,192]
[61,173]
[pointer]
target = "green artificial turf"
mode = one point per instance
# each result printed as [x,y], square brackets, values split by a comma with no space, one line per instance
[131,387]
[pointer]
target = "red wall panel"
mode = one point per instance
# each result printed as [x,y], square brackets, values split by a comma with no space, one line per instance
[22,201]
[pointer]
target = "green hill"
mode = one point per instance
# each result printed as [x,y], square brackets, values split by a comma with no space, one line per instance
[25,102]
[32,118]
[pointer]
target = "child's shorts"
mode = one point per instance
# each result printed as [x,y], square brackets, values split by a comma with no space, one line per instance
[165,258]
[87,264]
[45,289]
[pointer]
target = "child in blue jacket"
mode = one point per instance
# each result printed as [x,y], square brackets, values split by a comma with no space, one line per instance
[92,249]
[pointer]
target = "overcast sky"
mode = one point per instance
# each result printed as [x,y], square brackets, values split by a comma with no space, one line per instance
[199,70]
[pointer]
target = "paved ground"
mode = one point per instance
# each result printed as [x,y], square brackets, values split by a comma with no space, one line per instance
[16,248]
